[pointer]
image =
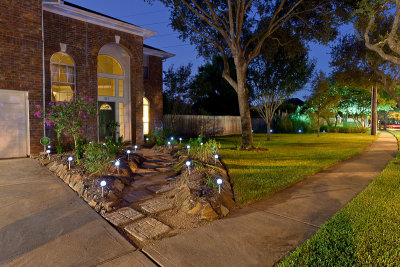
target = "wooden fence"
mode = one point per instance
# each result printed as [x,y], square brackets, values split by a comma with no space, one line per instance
[193,125]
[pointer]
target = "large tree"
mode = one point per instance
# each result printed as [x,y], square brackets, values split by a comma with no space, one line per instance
[239,28]
[275,76]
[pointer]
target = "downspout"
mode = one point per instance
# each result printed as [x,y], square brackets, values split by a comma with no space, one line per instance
[44,80]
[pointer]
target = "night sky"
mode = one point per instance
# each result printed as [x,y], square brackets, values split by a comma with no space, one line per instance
[156,17]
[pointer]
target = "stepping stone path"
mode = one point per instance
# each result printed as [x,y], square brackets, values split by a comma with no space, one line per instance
[151,179]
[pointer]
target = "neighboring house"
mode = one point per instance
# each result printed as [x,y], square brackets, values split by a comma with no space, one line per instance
[83,51]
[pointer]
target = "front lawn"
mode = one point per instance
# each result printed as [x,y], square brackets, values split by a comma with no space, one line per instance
[364,233]
[290,158]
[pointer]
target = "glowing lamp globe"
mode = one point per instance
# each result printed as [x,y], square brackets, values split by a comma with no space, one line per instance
[219,181]
[103,183]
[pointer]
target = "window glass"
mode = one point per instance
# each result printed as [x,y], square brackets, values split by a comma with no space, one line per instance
[60,92]
[121,119]
[62,69]
[106,87]
[146,115]
[121,88]
[107,64]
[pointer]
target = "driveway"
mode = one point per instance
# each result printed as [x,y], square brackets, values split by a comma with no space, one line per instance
[44,223]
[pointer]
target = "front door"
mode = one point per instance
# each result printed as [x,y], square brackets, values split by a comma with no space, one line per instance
[106,118]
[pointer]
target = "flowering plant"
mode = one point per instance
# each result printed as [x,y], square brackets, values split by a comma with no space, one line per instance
[68,116]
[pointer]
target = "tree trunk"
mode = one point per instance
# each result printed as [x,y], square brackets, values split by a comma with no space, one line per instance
[268,131]
[374,111]
[244,107]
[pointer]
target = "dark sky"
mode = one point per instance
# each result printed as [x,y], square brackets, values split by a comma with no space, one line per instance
[156,17]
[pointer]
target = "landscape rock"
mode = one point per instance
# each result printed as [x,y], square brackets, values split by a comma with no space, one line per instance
[116,218]
[112,195]
[108,206]
[208,213]
[79,187]
[118,185]
[224,210]
[133,166]
[227,201]
[92,203]
[182,195]
[130,213]
[196,209]
[53,166]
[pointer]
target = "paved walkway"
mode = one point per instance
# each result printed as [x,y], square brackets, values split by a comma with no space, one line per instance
[263,233]
[44,223]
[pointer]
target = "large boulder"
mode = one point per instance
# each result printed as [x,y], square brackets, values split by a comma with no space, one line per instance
[208,213]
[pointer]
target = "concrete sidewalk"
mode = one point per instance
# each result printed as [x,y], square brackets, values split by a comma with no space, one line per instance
[44,223]
[261,234]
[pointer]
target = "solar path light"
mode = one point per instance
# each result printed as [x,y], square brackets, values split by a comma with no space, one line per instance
[219,183]
[102,184]
[216,158]
[188,165]
[128,152]
[188,149]
[136,147]
[48,151]
[180,140]
[117,163]
[169,144]
[70,159]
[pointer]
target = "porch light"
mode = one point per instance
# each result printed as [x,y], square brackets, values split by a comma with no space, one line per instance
[69,162]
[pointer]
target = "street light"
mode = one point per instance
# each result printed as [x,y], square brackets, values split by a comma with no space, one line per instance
[69,162]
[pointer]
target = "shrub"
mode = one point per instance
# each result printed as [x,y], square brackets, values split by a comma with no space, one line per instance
[97,158]
[203,153]
[346,130]
[161,136]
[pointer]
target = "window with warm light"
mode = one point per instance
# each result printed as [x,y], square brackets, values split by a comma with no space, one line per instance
[146,115]
[109,65]
[62,69]
[121,119]
[106,86]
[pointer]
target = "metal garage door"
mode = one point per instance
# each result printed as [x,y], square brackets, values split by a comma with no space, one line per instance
[13,124]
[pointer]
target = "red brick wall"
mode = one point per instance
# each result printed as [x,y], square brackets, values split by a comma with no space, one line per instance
[153,91]
[84,42]
[21,56]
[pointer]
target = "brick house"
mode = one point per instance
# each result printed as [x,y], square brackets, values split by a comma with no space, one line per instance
[79,50]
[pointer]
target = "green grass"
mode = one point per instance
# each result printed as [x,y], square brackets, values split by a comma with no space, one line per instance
[290,158]
[366,232]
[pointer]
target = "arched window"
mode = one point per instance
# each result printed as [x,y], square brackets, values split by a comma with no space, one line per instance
[62,69]
[107,64]
[146,115]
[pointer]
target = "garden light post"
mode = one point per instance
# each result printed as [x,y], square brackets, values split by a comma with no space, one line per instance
[49,146]
[180,140]
[117,163]
[69,162]
[136,147]
[48,151]
[169,144]
[188,165]
[219,183]
[172,138]
[128,152]
[300,131]
[202,152]
[215,158]
[147,139]
[188,148]
[102,184]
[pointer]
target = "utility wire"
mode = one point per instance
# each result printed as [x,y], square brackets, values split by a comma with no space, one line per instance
[141,14]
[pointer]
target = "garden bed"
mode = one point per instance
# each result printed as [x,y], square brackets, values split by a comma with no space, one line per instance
[151,195]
